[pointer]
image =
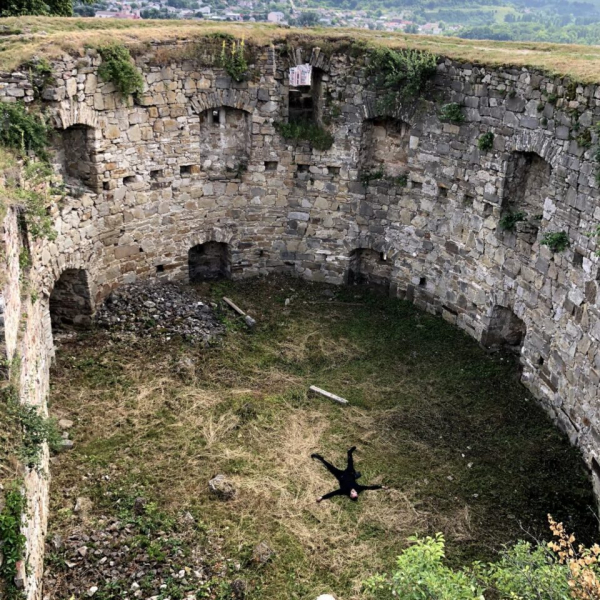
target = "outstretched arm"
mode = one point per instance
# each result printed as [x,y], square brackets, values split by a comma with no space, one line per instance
[372,487]
[330,495]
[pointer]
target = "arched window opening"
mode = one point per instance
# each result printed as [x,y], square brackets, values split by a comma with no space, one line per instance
[225,140]
[77,150]
[505,330]
[385,145]
[71,301]
[209,261]
[369,267]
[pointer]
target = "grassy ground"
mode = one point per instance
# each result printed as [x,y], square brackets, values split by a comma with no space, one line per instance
[25,37]
[449,428]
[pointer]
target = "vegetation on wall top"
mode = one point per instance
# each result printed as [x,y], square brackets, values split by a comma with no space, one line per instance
[402,73]
[233,60]
[119,69]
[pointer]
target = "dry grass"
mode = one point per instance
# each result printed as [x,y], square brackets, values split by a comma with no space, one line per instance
[51,37]
[419,400]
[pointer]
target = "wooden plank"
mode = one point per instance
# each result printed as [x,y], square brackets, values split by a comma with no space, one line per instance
[317,390]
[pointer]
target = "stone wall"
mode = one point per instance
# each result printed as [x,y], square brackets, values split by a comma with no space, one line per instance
[160,177]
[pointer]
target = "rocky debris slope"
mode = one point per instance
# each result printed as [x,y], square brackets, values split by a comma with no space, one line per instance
[137,558]
[151,309]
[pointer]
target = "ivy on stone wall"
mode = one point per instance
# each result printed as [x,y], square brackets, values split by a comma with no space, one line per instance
[119,69]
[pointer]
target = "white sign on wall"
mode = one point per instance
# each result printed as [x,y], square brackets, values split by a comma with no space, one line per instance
[301,75]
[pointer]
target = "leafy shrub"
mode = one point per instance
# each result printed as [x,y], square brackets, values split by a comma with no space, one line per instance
[119,69]
[404,73]
[556,571]
[234,61]
[40,75]
[302,130]
[37,430]
[23,131]
[486,142]
[12,541]
[510,219]
[557,241]
[584,139]
[451,113]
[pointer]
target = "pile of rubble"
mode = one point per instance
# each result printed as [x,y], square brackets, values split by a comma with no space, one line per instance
[151,309]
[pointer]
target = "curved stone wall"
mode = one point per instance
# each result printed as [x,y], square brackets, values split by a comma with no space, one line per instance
[154,187]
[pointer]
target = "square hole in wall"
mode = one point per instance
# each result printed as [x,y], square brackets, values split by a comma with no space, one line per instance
[160,268]
[128,179]
[271,165]
[335,171]
[156,173]
[577,259]
[442,192]
[106,185]
[416,185]
[216,117]
[540,361]
[487,209]
[423,281]
[468,199]
[185,170]
[303,168]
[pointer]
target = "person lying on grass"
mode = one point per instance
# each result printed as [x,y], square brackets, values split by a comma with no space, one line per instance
[347,479]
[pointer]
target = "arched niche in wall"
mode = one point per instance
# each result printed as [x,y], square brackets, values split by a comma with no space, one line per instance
[505,330]
[369,267]
[528,184]
[209,261]
[384,145]
[225,140]
[71,300]
[76,151]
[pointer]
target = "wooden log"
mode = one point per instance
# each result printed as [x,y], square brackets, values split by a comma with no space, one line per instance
[317,390]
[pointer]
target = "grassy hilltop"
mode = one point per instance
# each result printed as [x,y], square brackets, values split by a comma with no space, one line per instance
[21,38]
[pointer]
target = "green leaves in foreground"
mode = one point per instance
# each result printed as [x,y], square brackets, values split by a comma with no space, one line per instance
[557,571]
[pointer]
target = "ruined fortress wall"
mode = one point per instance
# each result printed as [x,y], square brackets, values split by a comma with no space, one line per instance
[197,158]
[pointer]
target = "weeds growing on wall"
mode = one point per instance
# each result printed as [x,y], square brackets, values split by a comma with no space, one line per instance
[23,131]
[366,177]
[486,142]
[40,75]
[557,241]
[119,69]
[509,221]
[12,541]
[233,60]
[451,113]
[306,131]
[402,73]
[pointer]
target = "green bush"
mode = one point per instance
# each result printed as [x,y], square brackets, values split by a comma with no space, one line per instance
[233,60]
[451,113]
[37,430]
[510,219]
[319,138]
[557,241]
[23,131]
[403,72]
[119,69]
[525,571]
[12,541]
[486,142]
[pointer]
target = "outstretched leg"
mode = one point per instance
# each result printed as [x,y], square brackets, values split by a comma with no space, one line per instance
[350,467]
[333,470]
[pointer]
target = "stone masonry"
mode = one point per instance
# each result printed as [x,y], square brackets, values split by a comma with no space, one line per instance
[197,159]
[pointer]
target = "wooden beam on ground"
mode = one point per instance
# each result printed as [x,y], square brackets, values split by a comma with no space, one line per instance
[317,390]
[249,320]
